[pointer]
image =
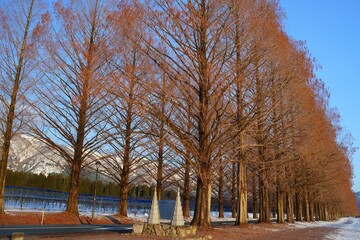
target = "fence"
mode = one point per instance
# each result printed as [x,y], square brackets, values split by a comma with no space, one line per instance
[35,199]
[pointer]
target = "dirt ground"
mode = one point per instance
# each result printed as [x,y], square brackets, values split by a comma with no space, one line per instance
[248,232]
[33,218]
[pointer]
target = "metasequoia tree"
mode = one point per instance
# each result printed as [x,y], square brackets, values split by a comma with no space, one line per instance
[287,66]
[126,138]
[163,158]
[241,63]
[324,161]
[255,25]
[73,103]
[196,50]
[287,137]
[23,24]
[263,65]
[308,133]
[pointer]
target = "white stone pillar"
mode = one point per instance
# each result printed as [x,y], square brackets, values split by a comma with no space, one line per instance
[154,217]
[178,218]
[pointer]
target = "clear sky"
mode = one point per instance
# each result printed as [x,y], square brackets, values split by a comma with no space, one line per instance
[331,29]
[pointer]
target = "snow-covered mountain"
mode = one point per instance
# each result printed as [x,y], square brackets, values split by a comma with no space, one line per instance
[28,154]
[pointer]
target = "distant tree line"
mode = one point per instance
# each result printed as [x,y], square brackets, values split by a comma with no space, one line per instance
[60,182]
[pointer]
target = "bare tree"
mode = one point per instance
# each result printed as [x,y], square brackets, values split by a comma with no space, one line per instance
[23,24]
[73,97]
[162,157]
[131,70]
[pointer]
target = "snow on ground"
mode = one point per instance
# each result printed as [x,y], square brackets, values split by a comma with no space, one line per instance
[346,228]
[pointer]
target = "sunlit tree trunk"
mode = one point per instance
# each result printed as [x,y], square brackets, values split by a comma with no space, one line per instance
[280,207]
[202,206]
[307,207]
[242,214]
[290,208]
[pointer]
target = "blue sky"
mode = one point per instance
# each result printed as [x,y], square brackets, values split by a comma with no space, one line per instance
[331,29]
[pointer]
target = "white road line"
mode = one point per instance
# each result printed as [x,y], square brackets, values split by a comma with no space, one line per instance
[47,228]
[37,228]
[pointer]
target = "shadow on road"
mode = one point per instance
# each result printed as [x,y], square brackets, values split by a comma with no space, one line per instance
[114,220]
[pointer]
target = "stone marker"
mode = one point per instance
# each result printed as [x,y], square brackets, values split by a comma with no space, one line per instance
[178,218]
[138,229]
[154,217]
[17,236]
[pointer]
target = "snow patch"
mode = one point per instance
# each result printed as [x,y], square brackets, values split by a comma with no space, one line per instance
[346,228]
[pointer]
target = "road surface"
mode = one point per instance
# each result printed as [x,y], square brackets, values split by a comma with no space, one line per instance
[7,231]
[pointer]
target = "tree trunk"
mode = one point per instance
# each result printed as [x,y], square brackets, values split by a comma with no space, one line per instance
[122,211]
[242,214]
[316,211]
[321,213]
[159,177]
[233,190]
[242,211]
[280,206]
[311,212]
[77,160]
[72,203]
[327,215]
[203,196]
[255,198]
[220,192]
[263,197]
[307,207]
[186,211]
[124,182]
[264,205]
[73,198]
[298,207]
[202,208]
[290,208]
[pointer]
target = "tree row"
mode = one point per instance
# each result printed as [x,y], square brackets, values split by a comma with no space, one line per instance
[210,96]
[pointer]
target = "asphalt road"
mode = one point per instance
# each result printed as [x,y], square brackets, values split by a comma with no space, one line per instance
[7,231]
